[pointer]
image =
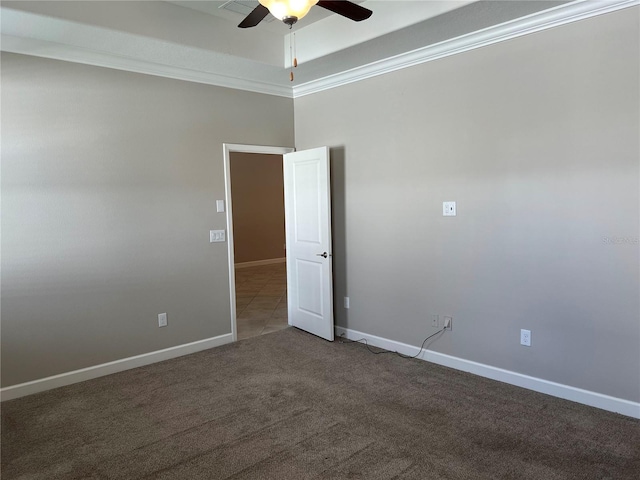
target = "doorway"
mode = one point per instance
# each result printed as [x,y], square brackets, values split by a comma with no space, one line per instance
[257,271]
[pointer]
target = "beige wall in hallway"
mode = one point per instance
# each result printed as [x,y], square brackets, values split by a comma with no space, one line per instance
[257,190]
[109,184]
[536,138]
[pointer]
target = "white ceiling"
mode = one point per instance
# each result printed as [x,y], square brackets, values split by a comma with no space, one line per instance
[199,41]
[321,33]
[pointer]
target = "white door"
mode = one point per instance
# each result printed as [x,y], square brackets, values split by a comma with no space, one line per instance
[307,208]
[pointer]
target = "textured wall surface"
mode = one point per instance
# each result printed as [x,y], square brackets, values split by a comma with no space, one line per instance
[536,138]
[109,183]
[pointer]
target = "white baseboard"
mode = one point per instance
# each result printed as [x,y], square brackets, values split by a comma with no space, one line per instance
[257,263]
[68,378]
[586,397]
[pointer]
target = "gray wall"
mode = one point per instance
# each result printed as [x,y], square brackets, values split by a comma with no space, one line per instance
[536,139]
[109,182]
[257,193]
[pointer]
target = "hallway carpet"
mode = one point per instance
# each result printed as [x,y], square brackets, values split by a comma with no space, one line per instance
[289,405]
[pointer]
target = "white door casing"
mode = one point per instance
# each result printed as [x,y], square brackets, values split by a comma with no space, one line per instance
[229,148]
[308,236]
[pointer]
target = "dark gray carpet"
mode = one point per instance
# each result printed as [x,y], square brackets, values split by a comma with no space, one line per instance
[291,406]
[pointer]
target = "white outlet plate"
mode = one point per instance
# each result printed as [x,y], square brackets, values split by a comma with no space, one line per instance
[162,319]
[448,209]
[346,302]
[435,320]
[448,323]
[525,337]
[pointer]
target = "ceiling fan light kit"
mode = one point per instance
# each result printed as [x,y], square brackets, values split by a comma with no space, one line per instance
[288,11]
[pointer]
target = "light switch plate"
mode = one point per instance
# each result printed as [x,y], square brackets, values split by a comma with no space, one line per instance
[449,209]
[162,319]
[216,236]
[220,206]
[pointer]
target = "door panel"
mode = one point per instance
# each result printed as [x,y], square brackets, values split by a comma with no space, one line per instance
[309,287]
[308,215]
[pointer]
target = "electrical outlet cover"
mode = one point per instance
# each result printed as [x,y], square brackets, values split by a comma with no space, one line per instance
[449,209]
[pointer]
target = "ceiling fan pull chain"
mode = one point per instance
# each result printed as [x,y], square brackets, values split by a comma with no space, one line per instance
[294,62]
[295,57]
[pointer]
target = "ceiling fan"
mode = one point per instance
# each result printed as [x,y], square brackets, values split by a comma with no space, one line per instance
[290,11]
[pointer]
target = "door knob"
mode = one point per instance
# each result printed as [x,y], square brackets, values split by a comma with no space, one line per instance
[323,254]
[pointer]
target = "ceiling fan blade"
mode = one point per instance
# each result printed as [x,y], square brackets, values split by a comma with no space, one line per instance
[351,10]
[255,17]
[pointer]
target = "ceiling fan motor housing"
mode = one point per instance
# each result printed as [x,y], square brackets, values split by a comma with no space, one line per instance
[290,20]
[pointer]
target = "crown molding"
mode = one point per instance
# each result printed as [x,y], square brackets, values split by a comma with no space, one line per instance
[71,53]
[554,17]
